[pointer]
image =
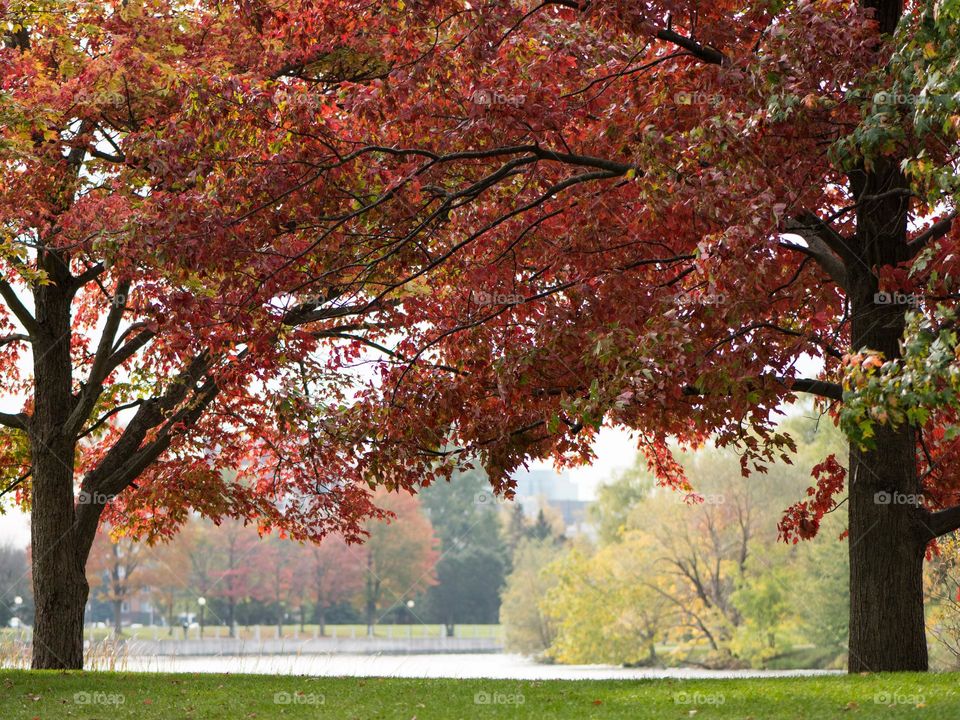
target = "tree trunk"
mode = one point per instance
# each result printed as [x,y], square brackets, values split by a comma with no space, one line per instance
[886,558]
[372,590]
[59,585]
[371,616]
[118,618]
[60,591]
[323,621]
[886,539]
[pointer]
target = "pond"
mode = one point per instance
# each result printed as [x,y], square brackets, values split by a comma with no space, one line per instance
[471,665]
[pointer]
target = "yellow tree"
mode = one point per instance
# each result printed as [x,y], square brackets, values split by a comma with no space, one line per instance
[607,604]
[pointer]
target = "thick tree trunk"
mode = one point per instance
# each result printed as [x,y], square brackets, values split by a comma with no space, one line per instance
[886,529]
[59,584]
[886,558]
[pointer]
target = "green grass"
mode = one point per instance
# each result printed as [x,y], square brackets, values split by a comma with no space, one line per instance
[54,695]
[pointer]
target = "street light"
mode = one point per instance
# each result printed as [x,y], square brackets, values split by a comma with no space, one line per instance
[202,602]
[410,604]
[17,602]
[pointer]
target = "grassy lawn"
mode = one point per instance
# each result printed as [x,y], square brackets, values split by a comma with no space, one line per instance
[90,695]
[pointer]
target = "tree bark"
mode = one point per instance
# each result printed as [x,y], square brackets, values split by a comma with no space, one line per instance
[887,538]
[886,558]
[59,584]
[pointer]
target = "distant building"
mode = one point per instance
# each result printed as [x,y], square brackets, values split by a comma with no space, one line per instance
[542,488]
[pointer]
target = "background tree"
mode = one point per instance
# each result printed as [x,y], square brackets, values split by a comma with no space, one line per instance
[399,556]
[527,626]
[337,575]
[607,605]
[276,577]
[15,581]
[113,571]
[235,543]
[166,574]
[471,568]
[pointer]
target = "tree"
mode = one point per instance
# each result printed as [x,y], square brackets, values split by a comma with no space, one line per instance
[336,573]
[235,544]
[469,581]
[653,211]
[164,577]
[15,581]
[399,555]
[276,576]
[472,566]
[113,563]
[179,289]
[528,627]
[607,604]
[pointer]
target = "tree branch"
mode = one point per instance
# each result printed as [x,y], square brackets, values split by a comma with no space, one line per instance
[18,308]
[829,390]
[824,245]
[941,522]
[934,232]
[17,421]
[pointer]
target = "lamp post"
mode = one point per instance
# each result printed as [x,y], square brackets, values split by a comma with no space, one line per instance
[17,602]
[202,602]
[410,605]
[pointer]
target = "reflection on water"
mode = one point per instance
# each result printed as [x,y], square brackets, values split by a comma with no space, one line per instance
[493,665]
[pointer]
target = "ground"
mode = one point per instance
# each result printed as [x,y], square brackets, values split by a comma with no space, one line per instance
[55,695]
